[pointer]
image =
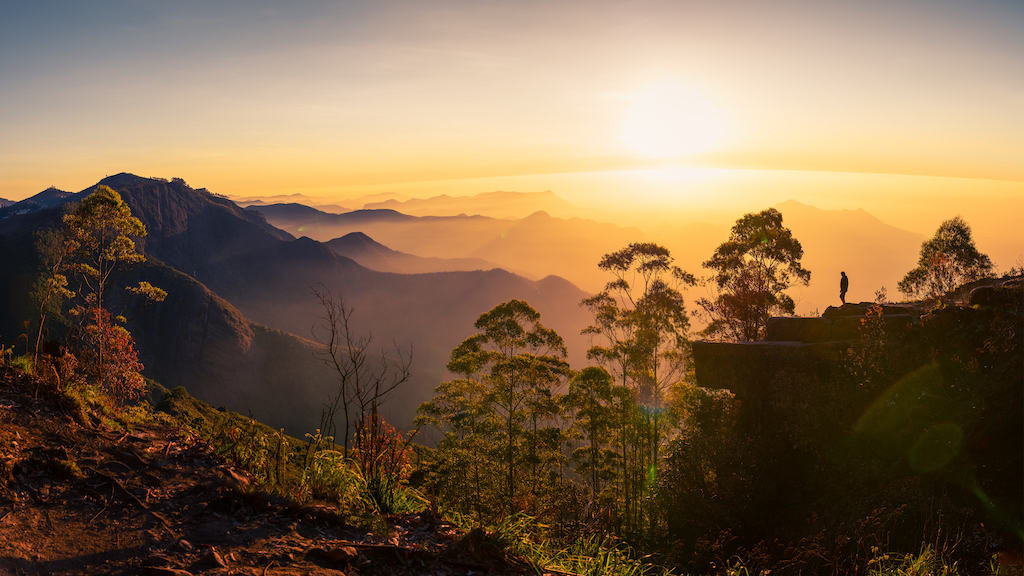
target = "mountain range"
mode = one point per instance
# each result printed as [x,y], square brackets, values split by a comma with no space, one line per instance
[237,326]
[872,252]
[46,199]
[376,256]
[498,204]
[536,245]
[289,199]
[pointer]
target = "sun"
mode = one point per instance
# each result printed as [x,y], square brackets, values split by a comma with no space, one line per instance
[671,120]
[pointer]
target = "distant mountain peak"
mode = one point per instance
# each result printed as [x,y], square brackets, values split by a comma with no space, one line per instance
[360,242]
[361,236]
[122,179]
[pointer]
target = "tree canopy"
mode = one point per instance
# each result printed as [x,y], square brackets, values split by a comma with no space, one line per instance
[947,260]
[752,270]
[98,235]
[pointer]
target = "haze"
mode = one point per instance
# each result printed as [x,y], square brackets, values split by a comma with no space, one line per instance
[670,119]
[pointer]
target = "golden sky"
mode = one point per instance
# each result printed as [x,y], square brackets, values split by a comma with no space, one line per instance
[330,98]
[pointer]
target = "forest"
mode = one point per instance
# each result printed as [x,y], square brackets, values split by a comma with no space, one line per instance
[891,445]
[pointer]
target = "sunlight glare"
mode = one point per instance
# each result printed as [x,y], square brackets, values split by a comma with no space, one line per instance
[671,120]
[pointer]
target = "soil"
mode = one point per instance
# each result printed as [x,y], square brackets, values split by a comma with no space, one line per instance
[82,498]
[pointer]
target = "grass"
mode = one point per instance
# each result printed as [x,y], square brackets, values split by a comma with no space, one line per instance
[925,563]
[301,471]
[593,555]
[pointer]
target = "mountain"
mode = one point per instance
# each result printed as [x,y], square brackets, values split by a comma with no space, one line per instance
[5,202]
[376,256]
[194,338]
[46,199]
[494,204]
[289,199]
[871,252]
[235,256]
[536,245]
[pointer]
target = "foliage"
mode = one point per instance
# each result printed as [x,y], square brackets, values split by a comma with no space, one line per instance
[641,320]
[95,241]
[301,471]
[591,405]
[947,260]
[512,368]
[382,457]
[118,373]
[51,288]
[100,230]
[751,271]
[591,555]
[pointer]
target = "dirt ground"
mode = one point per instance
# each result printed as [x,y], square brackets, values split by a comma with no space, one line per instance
[85,499]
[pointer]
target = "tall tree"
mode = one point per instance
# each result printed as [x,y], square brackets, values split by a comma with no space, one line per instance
[51,288]
[520,362]
[641,319]
[947,260]
[751,271]
[591,401]
[100,233]
[467,455]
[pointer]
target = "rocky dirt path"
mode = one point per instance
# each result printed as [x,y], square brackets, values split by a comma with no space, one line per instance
[82,499]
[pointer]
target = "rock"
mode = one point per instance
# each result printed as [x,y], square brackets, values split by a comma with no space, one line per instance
[343,555]
[185,545]
[791,328]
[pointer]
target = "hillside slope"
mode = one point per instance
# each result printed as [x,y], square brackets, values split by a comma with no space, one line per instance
[269,277]
[376,256]
[81,497]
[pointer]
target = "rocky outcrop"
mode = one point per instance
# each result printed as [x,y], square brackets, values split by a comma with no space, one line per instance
[805,348]
[896,404]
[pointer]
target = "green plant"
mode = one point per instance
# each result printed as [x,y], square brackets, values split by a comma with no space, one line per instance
[23,363]
[590,555]
[925,563]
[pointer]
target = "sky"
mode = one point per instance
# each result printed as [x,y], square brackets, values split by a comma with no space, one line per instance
[337,99]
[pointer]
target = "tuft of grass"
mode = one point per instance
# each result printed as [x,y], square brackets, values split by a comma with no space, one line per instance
[925,563]
[594,555]
[23,363]
[68,469]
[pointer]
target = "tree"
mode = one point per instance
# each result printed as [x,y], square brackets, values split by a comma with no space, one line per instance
[51,288]
[468,455]
[98,234]
[363,381]
[751,271]
[591,400]
[520,362]
[947,260]
[642,319]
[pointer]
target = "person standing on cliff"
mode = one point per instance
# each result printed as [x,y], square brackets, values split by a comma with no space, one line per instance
[844,285]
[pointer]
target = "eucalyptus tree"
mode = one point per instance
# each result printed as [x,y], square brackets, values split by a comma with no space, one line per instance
[98,236]
[591,405]
[641,324]
[752,271]
[947,260]
[467,453]
[521,363]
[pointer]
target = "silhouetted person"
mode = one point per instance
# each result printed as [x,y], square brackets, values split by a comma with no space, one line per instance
[844,285]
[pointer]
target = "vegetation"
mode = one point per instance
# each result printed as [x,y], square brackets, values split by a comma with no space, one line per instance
[627,465]
[752,270]
[642,327]
[947,260]
[95,240]
[505,411]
